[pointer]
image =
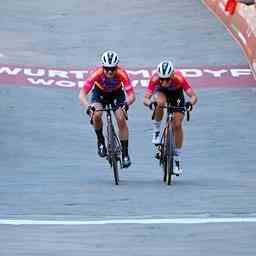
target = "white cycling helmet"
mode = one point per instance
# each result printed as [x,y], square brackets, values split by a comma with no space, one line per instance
[165,69]
[109,59]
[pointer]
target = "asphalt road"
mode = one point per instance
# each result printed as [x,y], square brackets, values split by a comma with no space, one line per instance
[49,166]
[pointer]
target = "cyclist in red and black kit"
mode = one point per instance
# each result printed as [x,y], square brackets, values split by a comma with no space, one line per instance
[109,83]
[170,84]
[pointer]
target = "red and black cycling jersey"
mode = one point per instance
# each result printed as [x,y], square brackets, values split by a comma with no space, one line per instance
[106,85]
[174,84]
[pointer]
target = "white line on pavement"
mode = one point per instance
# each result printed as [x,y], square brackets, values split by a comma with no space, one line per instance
[129,221]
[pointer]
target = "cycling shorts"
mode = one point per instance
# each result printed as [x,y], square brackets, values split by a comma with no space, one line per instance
[175,97]
[116,98]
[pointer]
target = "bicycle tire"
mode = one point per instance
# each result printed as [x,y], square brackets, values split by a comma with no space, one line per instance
[112,152]
[115,169]
[169,156]
[163,161]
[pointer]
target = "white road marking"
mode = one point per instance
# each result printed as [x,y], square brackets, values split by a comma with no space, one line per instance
[130,221]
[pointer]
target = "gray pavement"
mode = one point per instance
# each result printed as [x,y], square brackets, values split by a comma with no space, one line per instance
[49,167]
[75,33]
[130,240]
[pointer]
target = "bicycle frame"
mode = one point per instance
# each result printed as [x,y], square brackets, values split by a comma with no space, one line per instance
[167,144]
[168,147]
[114,145]
[114,148]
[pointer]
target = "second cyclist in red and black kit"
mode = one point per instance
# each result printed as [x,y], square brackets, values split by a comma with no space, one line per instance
[109,83]
[169,84]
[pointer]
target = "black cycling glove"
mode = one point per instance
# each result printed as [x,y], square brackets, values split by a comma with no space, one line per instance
[90,110]
[125,106]
[189,106]
[152,105]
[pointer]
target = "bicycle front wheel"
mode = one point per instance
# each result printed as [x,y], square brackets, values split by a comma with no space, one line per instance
[164,153]
[115,169]
[169,156]
[112,152]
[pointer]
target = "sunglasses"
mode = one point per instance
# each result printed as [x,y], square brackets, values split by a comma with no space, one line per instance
[164,79]
[112,69]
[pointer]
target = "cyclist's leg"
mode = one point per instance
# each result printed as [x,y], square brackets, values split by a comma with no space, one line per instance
[177,129]
[122,126]
[97,116]
[160,97]
[124,136]
[178,100]
[96,101]
[177,120]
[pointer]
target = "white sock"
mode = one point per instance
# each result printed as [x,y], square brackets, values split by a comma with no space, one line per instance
[156,126]
[177,156]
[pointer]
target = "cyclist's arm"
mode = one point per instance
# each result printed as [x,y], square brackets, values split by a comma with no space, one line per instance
[187,88]
[85,90]
[192,95]
[83,98]
[147,98]
[130,94]
[130,97]
[149,91]
[88,85]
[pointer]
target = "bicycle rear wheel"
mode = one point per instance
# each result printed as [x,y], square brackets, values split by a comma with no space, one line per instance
[169,156]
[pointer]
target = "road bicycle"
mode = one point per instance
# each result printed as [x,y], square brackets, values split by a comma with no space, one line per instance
[114,147]
[166,149]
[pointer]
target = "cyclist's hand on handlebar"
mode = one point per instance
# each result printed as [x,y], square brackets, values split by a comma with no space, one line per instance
[152,105]
[125,107]
[189,106]
[90,109]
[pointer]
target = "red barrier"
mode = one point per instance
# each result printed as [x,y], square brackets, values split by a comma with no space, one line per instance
[242,25]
